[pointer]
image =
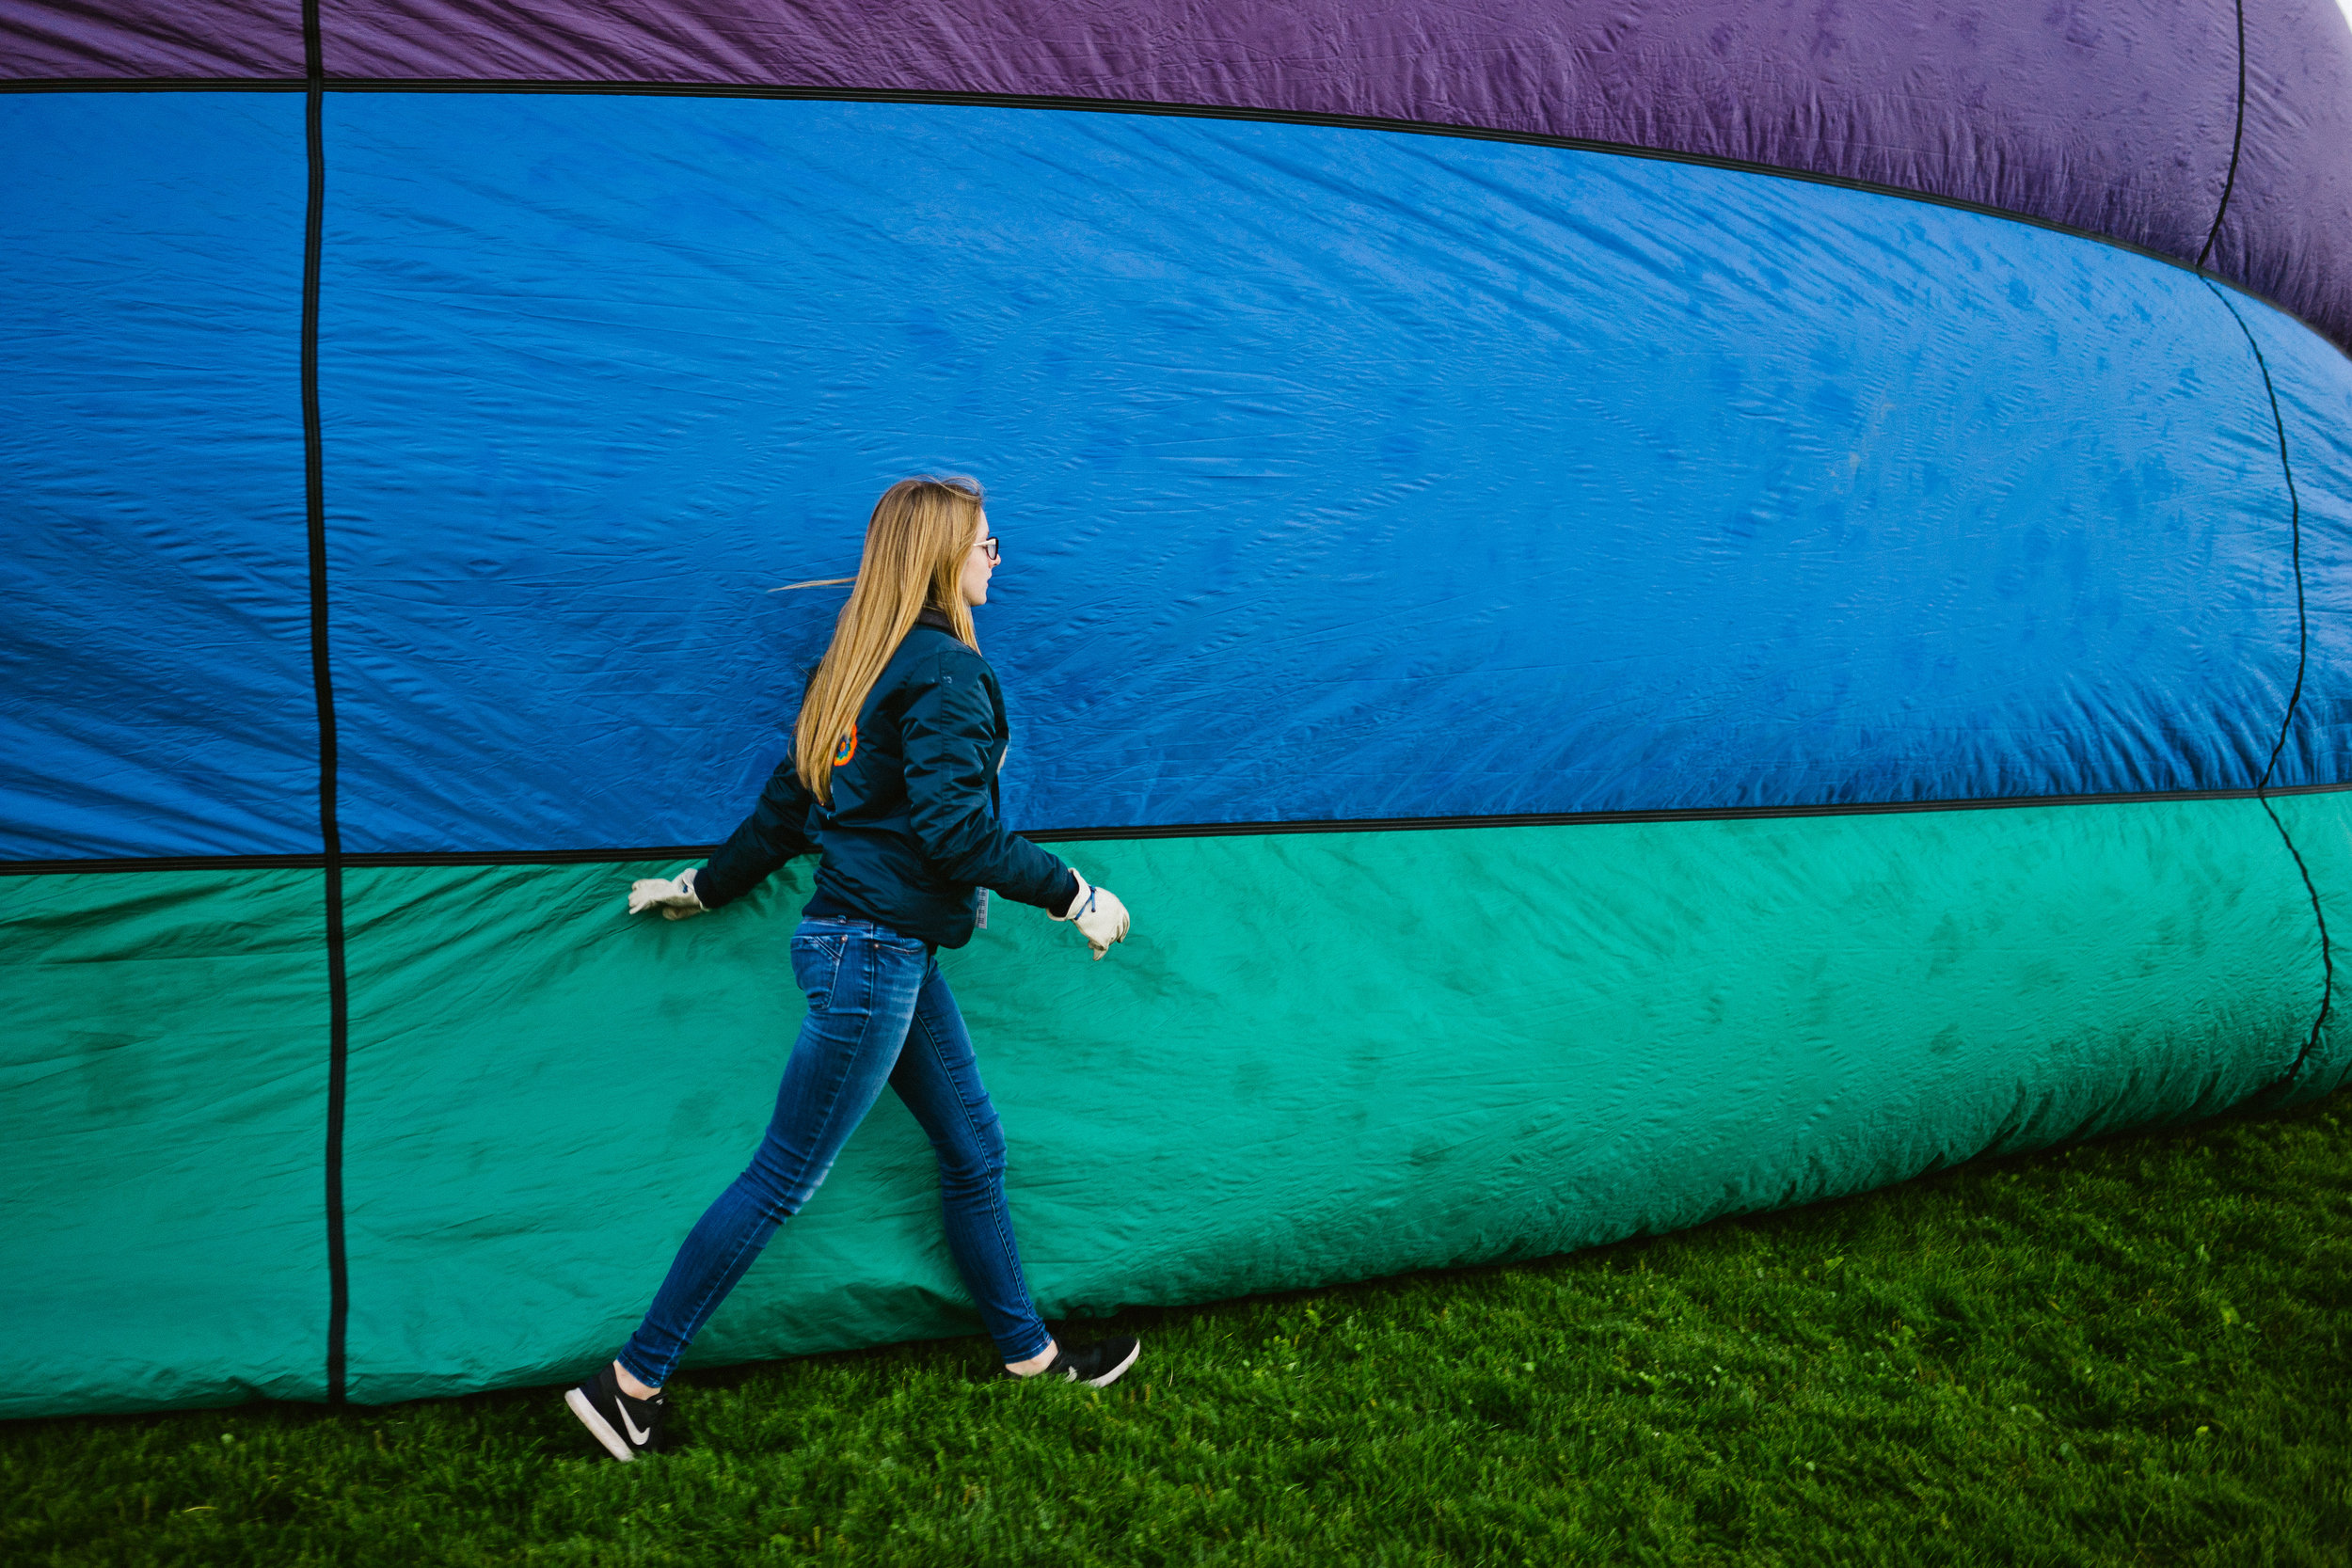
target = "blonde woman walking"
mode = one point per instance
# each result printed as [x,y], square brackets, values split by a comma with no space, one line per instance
[892,782]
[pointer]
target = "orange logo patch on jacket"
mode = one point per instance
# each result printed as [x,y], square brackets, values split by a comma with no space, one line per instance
[848,748]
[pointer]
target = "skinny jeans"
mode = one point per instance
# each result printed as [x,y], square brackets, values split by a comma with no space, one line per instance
[879,1012]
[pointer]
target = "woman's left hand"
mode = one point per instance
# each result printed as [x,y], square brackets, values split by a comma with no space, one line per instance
[1100,918]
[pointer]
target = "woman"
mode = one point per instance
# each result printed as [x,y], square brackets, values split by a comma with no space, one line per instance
[893,782]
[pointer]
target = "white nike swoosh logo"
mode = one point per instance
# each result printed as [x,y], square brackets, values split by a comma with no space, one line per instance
[635,1436]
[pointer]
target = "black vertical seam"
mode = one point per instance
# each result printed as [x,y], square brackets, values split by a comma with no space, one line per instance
[2295,699]
[322,688]
[2238,141]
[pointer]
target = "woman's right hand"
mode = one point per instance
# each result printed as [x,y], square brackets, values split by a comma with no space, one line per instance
[674,897]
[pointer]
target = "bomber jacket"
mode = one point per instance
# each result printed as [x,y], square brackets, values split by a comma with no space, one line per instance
[913,834]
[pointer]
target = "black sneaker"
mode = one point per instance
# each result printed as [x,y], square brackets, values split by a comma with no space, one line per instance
[627,1426]
[1097,1365]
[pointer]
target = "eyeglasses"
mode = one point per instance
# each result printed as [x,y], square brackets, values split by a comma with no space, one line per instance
[988,547]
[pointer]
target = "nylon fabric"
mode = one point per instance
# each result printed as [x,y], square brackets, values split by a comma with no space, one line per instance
[2315,408]
[164,1074]
[2114,116]
[2323,840]
[2287,232]
[155,682]
[538,1190]
[1333,1079]
[216,38]
[1342,475]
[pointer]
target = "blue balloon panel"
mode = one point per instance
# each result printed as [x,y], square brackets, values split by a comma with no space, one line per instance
[2315,404]
[155,691]
[1340,474]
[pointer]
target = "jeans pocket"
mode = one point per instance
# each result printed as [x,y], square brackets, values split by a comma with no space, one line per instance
[816,964]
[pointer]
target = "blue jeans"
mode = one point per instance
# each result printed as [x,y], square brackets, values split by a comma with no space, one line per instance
[879,1012]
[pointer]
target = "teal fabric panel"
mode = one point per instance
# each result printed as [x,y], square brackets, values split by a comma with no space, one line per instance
[1314,1062]
[163,1077]
[1320,1058]
[543,1094]
[2322,832]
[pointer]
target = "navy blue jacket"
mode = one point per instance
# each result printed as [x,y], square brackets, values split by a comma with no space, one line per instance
[912,833]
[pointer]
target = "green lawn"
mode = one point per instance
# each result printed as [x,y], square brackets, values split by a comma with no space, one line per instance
[2126,1353]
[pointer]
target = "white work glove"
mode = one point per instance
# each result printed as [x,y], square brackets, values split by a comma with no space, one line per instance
[1101,918]
[674,897]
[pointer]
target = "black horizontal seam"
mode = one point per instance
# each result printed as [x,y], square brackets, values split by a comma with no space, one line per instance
[539,87]
[1178,830]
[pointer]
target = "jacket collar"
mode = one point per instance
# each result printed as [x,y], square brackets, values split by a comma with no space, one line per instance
[936,619]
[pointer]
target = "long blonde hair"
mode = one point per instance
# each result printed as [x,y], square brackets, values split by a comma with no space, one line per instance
[916,545]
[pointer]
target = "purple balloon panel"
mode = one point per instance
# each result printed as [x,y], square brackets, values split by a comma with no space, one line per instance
[2287,234]
[150,38]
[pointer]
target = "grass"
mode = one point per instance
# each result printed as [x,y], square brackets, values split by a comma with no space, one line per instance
[2133,1351]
